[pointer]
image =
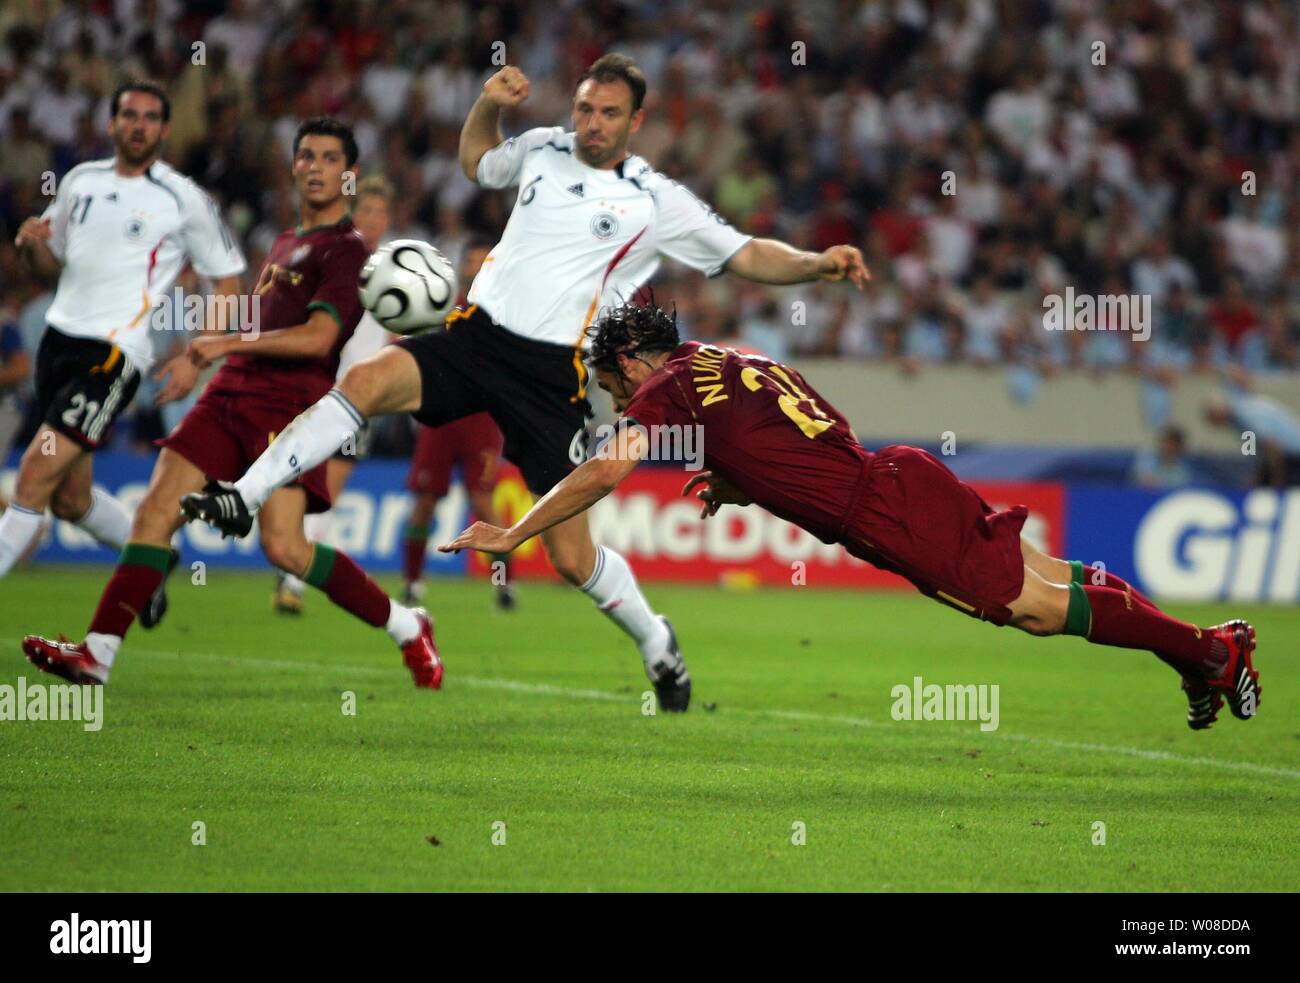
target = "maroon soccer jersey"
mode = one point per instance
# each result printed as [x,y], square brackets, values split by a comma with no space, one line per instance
[765,430]
[312,269]
[771,435]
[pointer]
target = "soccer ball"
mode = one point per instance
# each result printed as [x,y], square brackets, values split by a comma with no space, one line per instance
[408,286]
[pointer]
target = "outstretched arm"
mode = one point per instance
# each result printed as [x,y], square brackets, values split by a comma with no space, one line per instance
[583,488]
[482,129]
[772,261]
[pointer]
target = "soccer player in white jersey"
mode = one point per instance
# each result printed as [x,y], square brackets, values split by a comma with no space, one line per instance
[117,234]
[589,226]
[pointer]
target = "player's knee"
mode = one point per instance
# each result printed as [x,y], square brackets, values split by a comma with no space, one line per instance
[1032,624]
[70,504]
[1040,619]
[363,385]
[289,553]
[155,519]
[568,563]
[37,479]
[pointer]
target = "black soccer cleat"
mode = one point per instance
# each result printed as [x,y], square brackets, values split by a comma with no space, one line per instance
[506,599]
[221,507]
[153,611]
[668,673]
[1203,703]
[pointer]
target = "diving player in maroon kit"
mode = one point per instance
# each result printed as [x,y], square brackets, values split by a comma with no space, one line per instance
[308,306]
[770,439]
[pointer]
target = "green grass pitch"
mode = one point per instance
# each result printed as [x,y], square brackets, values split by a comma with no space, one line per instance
[233,717]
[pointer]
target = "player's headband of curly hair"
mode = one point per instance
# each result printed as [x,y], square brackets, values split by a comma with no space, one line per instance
[631,329]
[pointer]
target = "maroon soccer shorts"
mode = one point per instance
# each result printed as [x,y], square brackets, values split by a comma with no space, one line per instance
[474,442]
[223,435]
[914,517]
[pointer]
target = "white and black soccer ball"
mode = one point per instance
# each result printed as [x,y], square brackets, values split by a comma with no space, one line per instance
[408,286]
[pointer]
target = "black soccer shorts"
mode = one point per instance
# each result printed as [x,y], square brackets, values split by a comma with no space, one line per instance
[534,390]
[82,386]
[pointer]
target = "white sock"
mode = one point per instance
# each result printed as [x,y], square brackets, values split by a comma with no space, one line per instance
[403,625]
[19,528]
[103,647]
[613,587]
[294,585]
[107,519]
[313,436]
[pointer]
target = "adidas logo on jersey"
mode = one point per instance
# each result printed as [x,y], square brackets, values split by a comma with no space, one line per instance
[112,196]
[575,189]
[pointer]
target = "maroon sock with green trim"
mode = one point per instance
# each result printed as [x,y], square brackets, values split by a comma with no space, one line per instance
[1092,576]
[140,569]
[347,585]
[1109,616]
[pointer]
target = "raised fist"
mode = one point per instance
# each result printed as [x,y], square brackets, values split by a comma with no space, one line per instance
[508,87]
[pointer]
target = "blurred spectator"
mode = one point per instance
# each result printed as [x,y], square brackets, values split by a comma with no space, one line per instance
[1164,466]
[982,153]
[24,156]
[1264,424]
[15,367]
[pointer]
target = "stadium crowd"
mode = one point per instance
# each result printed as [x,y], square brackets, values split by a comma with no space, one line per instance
[984,153]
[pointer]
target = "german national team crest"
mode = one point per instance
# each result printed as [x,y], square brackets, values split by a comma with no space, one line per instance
[604,225]
[135,228]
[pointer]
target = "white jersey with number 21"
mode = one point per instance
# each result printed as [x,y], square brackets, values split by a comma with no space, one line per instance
[122,242]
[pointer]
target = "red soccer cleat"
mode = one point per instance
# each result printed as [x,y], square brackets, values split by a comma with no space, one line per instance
[1239,681]
[421,655]
[63,658]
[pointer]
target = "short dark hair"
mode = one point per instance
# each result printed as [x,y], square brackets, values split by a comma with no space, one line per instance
[631,329]
[615,68]
[141,85]
[328,126]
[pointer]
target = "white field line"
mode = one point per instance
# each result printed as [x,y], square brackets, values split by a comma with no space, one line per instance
[545,689]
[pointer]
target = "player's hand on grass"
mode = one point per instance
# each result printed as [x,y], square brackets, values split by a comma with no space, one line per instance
[33,229]
[207,349]
[717,492]
[180,374]
[844,262]
[481,536]
[508,87]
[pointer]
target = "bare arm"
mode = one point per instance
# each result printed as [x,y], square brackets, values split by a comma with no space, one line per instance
[772,261]
[33,242]
[180,372]
[314,339]
[482,129]
[15,370]
[582,489]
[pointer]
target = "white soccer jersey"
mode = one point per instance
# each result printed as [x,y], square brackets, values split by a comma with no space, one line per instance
[581,238]
[122,242]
